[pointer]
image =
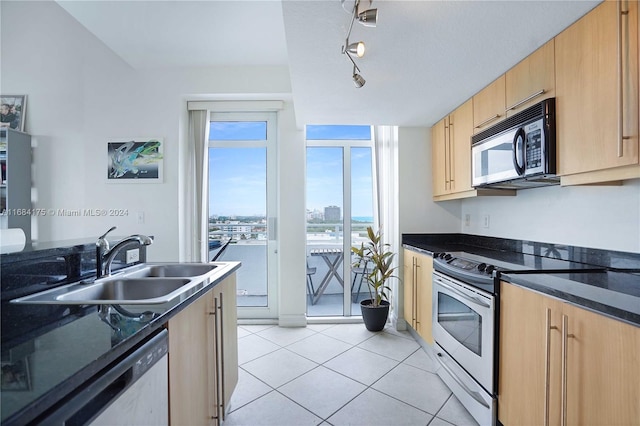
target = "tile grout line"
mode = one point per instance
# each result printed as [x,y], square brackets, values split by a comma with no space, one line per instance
[367,386]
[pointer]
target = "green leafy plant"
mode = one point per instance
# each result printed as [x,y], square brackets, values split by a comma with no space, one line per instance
[375,253]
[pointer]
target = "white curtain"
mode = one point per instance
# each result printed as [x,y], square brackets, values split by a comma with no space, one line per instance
[386,181]
[198,185]
[386,189]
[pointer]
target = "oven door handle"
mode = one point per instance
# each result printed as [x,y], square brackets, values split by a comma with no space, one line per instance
[463,295]
[471,393]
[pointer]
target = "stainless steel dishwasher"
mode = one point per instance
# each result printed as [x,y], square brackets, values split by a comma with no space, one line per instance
[132,391]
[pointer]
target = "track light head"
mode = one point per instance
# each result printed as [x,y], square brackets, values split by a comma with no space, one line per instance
[358,80]
[357,49]
[368,18]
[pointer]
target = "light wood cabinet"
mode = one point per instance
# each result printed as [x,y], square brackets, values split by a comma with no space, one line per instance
[439,158]
[597,95]
[531,80]
[489,105]
[417,293]
[602,383]
[203,357]
[451,154]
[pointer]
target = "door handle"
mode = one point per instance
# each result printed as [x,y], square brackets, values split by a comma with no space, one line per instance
[547,365]
[527,99]
[487,121]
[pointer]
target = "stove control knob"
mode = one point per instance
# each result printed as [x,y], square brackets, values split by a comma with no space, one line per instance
[489,269]
[481,267]
[448,257]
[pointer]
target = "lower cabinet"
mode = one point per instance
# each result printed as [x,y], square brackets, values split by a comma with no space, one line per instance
[417,293]
[564,365]
[203,357]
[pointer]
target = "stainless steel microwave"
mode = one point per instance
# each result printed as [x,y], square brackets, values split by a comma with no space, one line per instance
[519,152]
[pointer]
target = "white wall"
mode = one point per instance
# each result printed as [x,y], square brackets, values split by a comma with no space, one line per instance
[418,213]
[80,94]
[603,217]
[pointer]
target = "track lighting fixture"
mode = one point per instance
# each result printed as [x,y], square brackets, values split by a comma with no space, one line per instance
[357,49]
[358,80]
[368,18]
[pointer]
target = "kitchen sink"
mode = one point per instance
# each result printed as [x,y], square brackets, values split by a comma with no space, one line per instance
[173,270]
[127,290]
[142,284]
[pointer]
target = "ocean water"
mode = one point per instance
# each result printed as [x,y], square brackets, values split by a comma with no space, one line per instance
[362,218]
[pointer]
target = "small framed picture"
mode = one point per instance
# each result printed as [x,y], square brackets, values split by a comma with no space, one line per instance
[16,376]
[13,111]
[135,160]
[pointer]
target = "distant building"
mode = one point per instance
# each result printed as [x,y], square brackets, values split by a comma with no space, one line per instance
[314,214]
[332,214]
[235,231]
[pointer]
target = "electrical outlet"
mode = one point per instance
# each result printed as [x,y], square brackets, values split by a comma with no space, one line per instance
[133,255]
[467,220]
[485,220]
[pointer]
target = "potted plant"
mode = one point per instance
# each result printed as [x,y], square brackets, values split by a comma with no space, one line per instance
[375,310]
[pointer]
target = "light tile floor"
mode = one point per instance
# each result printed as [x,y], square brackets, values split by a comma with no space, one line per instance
[338,374]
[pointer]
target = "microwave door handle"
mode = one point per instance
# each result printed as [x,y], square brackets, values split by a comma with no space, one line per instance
[518,148]
[463,295]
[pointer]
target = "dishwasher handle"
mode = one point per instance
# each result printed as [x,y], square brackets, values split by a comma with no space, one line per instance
[89,400]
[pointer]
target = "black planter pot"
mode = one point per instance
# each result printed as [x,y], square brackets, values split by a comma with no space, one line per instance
[374,318]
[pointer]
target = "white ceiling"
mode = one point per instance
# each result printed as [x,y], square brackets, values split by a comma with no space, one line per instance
[423,59]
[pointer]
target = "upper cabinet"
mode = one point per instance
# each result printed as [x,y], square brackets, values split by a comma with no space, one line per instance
[597,95]
[489,105]
[451,147]
[531,80]
[527,83]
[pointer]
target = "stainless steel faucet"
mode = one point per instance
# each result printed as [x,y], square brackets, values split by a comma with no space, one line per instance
[105,255]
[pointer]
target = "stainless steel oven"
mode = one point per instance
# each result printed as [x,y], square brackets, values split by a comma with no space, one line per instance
[463,330]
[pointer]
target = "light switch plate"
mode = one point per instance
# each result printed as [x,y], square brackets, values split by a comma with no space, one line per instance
[133,255]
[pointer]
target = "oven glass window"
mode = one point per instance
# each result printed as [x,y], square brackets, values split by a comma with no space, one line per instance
[461,322]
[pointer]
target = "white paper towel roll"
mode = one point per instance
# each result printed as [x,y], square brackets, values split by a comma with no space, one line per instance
[12,240]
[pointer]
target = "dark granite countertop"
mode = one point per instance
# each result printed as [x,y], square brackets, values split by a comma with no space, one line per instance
[70,353]
[614,290]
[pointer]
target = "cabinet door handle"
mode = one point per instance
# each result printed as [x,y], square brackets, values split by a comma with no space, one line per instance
[214,313]
[621,137]
[415,292]
[221,381]
[547,365]
[565,337]
[446,155]
[452,160]
[488,120]
[527,99]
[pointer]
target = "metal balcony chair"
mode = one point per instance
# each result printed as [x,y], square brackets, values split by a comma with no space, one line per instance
[310,289]
[221,250]
[360,268]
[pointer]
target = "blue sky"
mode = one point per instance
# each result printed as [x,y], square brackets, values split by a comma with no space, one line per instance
[237,175]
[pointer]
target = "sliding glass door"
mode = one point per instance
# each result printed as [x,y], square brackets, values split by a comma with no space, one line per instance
[241,201]
[339,209]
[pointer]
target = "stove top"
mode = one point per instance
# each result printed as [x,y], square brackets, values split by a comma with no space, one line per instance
[481,271]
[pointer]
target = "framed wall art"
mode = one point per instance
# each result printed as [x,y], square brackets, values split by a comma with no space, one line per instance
[13,111]
[135,160]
